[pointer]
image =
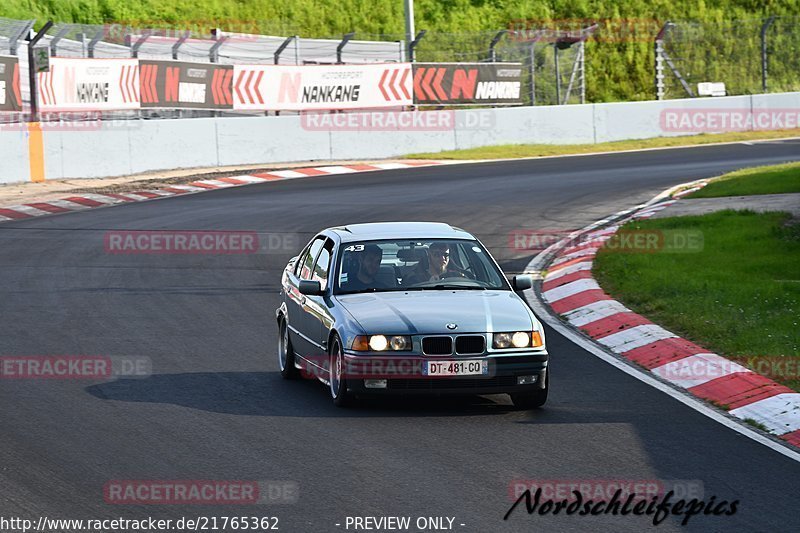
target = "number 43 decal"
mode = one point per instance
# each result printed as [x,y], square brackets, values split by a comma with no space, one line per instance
[355,248]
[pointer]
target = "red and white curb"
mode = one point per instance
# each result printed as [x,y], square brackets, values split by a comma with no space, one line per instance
[570,291]
[91,200]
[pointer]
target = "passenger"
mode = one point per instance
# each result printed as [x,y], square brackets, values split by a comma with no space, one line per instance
[438,266]
[369,264]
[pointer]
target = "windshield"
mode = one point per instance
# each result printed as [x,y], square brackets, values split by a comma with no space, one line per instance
[432,264]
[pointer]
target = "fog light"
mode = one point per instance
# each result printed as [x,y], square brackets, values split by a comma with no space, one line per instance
[526,380]
[375,383]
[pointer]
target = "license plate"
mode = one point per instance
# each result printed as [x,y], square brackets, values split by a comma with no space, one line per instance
[455,368]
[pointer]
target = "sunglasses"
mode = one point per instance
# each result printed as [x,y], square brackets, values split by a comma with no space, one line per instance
[441,253]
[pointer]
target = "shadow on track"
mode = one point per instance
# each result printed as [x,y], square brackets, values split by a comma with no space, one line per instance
[266,394]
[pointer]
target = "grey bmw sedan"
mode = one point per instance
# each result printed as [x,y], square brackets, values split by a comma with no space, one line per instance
[408,308]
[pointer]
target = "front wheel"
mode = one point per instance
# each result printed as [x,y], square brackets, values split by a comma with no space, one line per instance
[532,399]
[285,352]
[341,397]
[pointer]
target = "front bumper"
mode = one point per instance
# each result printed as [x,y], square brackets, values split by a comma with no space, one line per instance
[404,376]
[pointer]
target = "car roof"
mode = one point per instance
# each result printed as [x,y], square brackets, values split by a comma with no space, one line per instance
[399,230]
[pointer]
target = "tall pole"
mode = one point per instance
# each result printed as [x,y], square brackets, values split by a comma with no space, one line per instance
[32,71]
[764,56]
[409,10]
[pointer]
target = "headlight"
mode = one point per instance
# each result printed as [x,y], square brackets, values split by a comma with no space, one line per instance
[517,339]
[382,343]
[502,340]
[520,339]
[378,343]
[399,343]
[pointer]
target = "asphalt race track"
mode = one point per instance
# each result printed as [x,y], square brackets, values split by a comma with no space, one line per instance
[215,406]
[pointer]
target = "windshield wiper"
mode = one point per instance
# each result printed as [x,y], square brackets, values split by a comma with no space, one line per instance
[374,289]
[457,287]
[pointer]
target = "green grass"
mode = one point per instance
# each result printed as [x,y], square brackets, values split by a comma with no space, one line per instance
[775,179]
[512,151]
[756,424]
[739,297]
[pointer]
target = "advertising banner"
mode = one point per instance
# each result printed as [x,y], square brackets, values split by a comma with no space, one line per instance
[467,83]
[321,87]
[10,98]
[89,84]
[178,84]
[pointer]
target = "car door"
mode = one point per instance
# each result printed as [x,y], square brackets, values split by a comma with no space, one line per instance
[318,316]
[296,302]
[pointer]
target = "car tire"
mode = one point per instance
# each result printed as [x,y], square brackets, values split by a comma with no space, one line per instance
[338,384]
[286,359]
[533,399]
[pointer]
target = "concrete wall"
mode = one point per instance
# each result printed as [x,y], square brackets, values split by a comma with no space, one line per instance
[126,147]
[13,155]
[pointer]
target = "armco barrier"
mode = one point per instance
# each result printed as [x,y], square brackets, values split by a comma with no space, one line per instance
[125,147]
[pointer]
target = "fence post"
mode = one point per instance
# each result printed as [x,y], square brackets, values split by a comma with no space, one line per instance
[495,40]
[282,47]
[345,39]
[659,50]
[138,44]
[532,68]
[93,42]
[582,70]
[412,46]
[178,43]
[558,73]
[60,35]
[213,52]
[16,36]
[764,57]
[32,71]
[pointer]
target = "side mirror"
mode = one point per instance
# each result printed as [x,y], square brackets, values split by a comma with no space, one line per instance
[520,283]
[310,288]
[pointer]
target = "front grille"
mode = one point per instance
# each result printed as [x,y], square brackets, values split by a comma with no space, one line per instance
[437,345]
[451,383]
[470,344]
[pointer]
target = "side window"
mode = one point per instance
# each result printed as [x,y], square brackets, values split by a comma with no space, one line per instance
[307,260]
[322,266]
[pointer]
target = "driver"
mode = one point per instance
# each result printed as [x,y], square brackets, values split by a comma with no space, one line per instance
[369,263]
[438,267]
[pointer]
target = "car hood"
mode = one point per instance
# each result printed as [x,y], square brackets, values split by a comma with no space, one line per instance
[428,312]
